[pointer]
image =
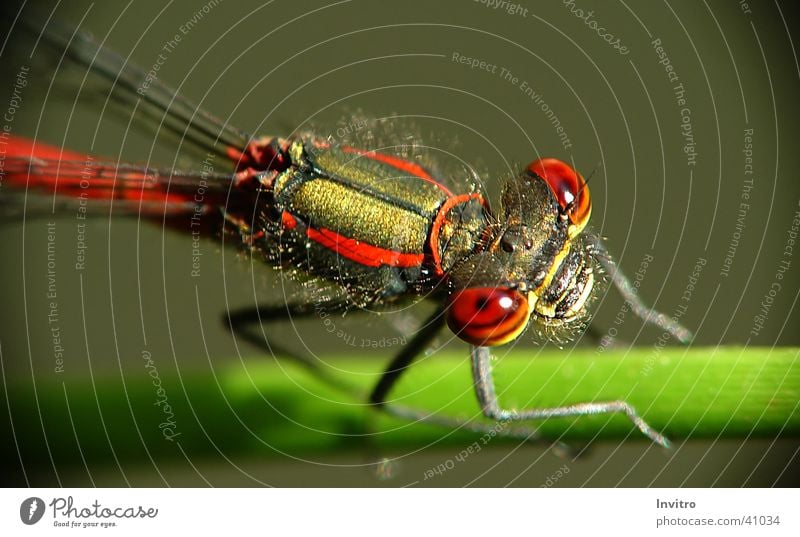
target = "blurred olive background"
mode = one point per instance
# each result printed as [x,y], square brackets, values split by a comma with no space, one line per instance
[282,66]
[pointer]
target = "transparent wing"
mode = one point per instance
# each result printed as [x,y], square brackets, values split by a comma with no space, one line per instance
[128,85]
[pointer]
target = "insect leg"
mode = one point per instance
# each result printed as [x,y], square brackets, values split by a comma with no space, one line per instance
[487,398]
[629,294]
[243,323]
[400,364]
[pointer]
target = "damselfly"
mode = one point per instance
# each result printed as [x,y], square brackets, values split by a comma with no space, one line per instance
[378,226]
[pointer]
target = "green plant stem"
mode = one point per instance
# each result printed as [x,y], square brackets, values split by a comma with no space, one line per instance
[264,407]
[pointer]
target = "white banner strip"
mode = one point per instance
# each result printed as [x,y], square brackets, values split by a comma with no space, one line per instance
[400,512]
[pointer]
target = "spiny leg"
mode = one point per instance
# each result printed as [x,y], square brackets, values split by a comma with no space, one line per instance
[629,294]
[241,321]
[405,357]
[487,398]
[401,363]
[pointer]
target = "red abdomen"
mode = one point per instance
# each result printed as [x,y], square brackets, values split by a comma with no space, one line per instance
[40,168]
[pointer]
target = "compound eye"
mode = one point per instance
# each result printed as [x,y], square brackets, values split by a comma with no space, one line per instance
[487,316]
[569,188]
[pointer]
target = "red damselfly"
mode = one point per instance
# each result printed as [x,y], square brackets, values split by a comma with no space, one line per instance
[378,226]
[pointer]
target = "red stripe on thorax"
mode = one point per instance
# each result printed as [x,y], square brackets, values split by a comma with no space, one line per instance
[438,222]
[401,164]
[361,252]
[288,221]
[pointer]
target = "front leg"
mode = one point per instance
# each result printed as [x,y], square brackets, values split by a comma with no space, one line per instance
[249,323]
[487,398]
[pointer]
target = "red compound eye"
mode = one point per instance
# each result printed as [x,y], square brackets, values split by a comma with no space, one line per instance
[487,316]
[568,186]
